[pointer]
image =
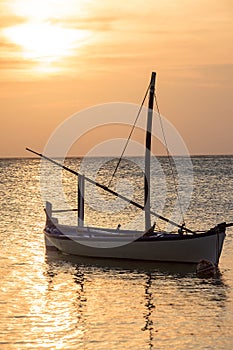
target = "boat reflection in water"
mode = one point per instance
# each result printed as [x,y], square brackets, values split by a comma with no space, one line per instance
[141,305]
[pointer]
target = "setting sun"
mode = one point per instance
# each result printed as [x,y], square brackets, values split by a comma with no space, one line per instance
[45,37]
[44,42]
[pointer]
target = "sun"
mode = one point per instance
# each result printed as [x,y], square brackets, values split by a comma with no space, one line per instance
[46,36]
[41,41]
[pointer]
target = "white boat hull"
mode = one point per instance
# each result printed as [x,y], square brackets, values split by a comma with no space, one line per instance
[170,248]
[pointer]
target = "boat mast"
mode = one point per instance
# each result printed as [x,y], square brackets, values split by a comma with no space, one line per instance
[148,153]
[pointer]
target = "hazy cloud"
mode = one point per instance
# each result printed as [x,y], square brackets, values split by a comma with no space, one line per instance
[95,23]
[10,20]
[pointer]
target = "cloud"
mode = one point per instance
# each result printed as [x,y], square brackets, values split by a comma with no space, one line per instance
[11,20]
[11,58]
[14,63]
[94,23]
[216,74]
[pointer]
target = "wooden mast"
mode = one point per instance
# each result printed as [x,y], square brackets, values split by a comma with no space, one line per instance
[148,154]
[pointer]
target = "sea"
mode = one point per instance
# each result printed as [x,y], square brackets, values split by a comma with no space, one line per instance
[49,300]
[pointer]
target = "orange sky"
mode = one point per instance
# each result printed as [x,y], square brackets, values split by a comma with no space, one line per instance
[58,57]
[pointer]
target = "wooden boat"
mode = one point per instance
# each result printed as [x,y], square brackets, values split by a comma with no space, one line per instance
[186,246]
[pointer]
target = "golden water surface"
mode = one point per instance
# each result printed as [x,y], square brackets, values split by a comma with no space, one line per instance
[52,301]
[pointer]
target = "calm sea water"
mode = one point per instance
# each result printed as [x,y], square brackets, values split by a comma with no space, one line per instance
[50,300]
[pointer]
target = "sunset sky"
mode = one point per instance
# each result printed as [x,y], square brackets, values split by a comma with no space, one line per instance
[58,57]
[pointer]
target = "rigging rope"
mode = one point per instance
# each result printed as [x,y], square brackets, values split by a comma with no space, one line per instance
[166,146]
[169,158]
[130,134]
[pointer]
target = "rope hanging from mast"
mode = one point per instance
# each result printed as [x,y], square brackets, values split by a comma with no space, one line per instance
[165,143]
[130,134]
[169,158]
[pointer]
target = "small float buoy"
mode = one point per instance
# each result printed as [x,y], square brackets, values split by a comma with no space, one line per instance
[205,268]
